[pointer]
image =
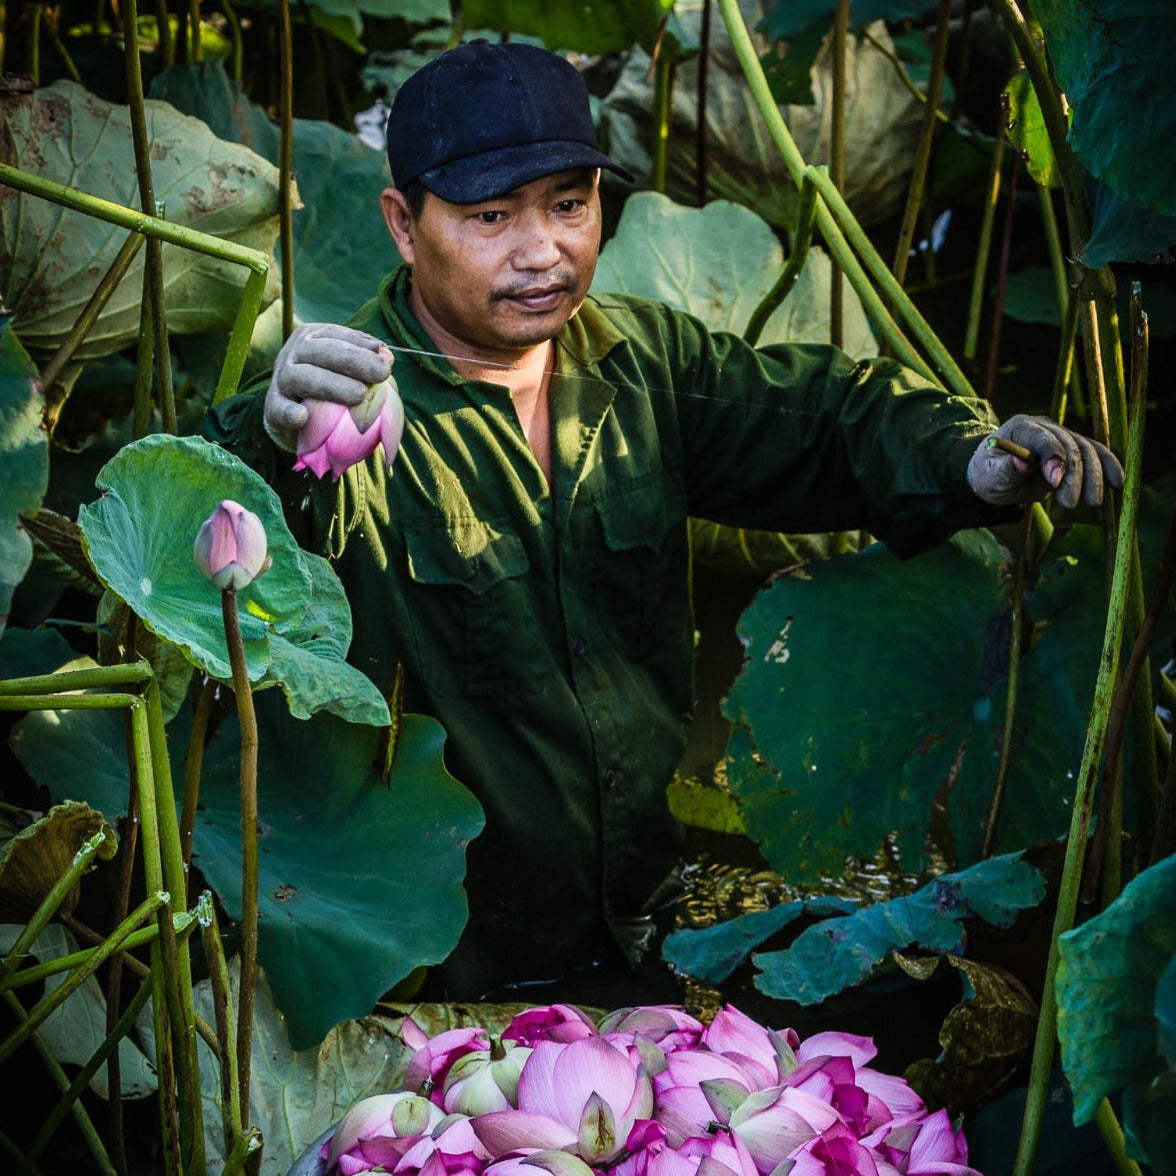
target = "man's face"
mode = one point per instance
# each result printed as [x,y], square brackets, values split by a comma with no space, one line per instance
[506,274]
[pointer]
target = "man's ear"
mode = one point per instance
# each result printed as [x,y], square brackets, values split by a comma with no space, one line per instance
[398,218]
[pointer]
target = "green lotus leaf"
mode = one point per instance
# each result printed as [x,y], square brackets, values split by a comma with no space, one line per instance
[342,248]
[54,256]
[605,26]
[1108,973]
[309,657]
[723,259]
[360,881]
[837,953]
[1025,125]
[156,493]
[1113,60]
[24,453]
[867,712]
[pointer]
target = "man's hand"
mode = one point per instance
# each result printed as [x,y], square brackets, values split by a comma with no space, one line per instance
[1076,467]
[320,361]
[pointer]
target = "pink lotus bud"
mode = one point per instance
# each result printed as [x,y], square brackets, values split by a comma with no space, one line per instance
[230,546]
[336,436]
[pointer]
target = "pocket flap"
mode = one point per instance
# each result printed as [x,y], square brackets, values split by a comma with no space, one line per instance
[467,553]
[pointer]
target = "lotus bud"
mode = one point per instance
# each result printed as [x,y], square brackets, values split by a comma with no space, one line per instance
[486,1080]
[336,436]
[230,546]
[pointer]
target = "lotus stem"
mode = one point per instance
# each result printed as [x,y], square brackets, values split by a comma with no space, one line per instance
[983,249]
[801,240]
[41,702]
[663,97]
[837,159]
[700,129]
[1066,376]
[910,216]
[84,1123]
[249,850]
[103,677]
[1070,885]
[1016,621]
[193,762]
[285,164]
[237,57]
[1112,1133]
[222,1000]
[77,1087]
[58,893]
[55,999]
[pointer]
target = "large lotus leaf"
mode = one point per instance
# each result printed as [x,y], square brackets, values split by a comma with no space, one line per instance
[360,881]
[1108,972]
[783,19]
[75,1030]
[743,164]
[55,256]
[604,26]
[308,657]
[156,494]
[711,954]
[1113,59]
[874,691]
[1121,231]
[837,953]
[24,454]
[342,248]
[718,262]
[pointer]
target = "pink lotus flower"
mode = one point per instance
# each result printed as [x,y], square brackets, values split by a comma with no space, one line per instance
[767,1056]
[835,1153]
[927,1146]
[336,436]
[450,1149]
[585,1097]
[230,546]
[670,1028]
[554,1163]
[690,1089]
[557,1022]
[430,1065]
[774,1123]
[486,1079]
[377,1131]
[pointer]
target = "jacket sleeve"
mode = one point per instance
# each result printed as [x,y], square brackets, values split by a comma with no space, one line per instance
[800,438]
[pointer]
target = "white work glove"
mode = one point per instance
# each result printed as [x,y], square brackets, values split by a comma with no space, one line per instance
[1077,468]
[320,361]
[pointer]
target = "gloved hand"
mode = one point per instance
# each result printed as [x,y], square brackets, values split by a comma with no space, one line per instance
[320,361]
[1076,467]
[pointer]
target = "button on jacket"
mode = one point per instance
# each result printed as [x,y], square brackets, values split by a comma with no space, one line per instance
[549,628]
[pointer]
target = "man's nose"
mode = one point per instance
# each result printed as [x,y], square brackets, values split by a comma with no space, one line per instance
[538,245]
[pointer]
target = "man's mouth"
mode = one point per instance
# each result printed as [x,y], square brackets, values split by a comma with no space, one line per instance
[537,298]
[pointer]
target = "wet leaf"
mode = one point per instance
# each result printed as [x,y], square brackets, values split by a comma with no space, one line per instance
[55,256]
[1108,974]
[704,805]
[840,952]
[24,451]
[985,1039]
[34,860]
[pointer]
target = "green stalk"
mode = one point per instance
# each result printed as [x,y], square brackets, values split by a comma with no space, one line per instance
[144,364]
[910,216]
[1016,621]
[249,851]
[52,1001]
[193,762]
[254,260]
[1112,1133]
[39,973]
[1070,885]
[222,1000]
[82,1119]
[1053,243]
[101,677]
[107,284]
[77,1087]
[700,125]
[41,702]
[58,893]
[182,1011]
[1002,281]
[801,240]
[663,96]
[163,963]
[837,160]
[1066,375]
[983,249]
[237,57]
[955,379]
[35,13]
[285,165]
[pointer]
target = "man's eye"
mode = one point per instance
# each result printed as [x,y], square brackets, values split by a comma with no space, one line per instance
[570,205]
[491,216]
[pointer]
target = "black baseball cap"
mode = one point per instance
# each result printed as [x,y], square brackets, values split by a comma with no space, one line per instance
[483,119]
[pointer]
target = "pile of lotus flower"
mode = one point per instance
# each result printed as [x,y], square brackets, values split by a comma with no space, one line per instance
[650,1091]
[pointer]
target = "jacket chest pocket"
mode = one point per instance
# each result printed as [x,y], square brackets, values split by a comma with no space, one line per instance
[470,610]
[641,575]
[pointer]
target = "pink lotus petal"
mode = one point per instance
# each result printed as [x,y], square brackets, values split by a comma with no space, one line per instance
[506,1131]
[859,1050]
[773,1123]
[557,1022]
[891,1097]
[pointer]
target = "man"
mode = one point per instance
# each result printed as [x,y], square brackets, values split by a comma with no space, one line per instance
[526,558]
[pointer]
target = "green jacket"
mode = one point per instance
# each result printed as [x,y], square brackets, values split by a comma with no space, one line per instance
[550,629]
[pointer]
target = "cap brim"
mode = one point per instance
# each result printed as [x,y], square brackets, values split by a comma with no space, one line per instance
[495,173]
